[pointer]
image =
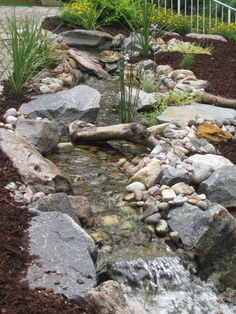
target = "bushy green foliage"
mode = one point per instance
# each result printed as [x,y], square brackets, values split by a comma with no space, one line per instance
[187,47]
[82,13]
[187,60]
[29,50]
[148,82]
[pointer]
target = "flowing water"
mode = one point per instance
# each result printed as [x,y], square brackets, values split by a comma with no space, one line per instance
[148,269]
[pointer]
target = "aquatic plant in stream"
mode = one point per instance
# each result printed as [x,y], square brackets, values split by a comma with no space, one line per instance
[128,99]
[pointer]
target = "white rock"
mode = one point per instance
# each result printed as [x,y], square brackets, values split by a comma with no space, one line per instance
[135,186]
[168,195]
[11,186]
[162,227]
[10,112]
[12,120]
[65,147]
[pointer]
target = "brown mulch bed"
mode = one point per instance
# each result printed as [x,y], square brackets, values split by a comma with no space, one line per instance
[228,150]
[15,295]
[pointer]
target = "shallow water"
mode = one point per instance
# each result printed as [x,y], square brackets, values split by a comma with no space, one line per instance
[150,271]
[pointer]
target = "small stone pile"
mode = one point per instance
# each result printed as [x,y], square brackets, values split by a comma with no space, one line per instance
[168,177]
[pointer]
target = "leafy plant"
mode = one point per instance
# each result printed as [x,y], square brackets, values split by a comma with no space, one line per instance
[29,50]
[82,13]
[148,82]
[172,98]
[187,47]
[187,60]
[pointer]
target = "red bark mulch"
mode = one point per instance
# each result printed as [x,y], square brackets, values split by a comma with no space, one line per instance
[228,150]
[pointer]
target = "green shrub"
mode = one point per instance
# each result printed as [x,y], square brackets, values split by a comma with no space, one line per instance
[82,13]
[148,82]
[29,50]
[187,60]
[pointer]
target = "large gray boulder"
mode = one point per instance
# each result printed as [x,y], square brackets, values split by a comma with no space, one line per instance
[204,165]
[35,170]
[80,102]
[178,113]
[220,187]
[79,38]
[191,222]
[63,255]
[172,175]
[216,250]
[42,134]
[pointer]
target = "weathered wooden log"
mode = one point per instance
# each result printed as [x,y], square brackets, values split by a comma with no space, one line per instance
[132,132]
[216,100]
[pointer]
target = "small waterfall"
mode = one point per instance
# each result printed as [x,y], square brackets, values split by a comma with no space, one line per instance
[169,288]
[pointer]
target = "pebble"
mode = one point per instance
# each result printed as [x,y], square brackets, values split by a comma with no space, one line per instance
[168,195]
[153,219]
[10,112]
[154,190]
[149,212]
[129,197]
[65,147]
[151,201]
[162,228]
[37,196]
[202,204]
[135,186]
[138,195]
[174,236]
[183,188]
[179,199]
[163,206]
[9,126]
[11,186]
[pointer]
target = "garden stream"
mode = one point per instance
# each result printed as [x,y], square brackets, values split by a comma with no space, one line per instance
[149,270]
[160,277]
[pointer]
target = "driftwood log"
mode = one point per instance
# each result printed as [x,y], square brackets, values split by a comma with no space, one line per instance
[81,131]
[216,100]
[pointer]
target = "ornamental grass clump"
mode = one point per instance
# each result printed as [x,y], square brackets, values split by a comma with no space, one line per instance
[82,13]
[128,95]
[28,50]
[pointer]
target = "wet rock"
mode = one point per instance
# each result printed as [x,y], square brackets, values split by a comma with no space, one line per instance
[191,222]
[176,113]
[35,170]
[148,175]
[63,251]
[87,38]
[153,219]
[109,220]
[216,249]
[109,298]
[162,228]
[80,102]
[57,202]
[89,63]
[171,176]
[149,211]
[42,134]
[220,187]
[82,209]
[65,147]
[129,197]
[174,236]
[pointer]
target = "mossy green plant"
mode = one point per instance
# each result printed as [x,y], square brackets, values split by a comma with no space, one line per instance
[187,60]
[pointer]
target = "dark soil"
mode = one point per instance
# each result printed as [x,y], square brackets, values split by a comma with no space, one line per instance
[228,150]
[15,295]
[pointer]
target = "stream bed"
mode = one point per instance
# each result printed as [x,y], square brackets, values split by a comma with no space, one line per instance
[162,278]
